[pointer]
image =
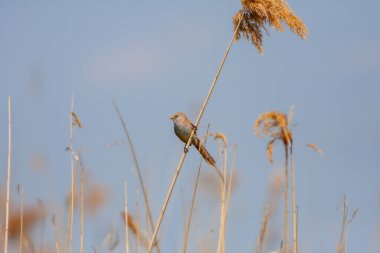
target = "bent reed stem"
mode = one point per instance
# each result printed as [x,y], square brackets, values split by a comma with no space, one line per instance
[153,239]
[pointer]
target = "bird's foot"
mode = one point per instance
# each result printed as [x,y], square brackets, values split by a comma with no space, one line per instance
[185,149]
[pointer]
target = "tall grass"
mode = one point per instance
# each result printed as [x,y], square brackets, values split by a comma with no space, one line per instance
[8,178]
[187,227]
[137,166]
[276,126]
[254,17]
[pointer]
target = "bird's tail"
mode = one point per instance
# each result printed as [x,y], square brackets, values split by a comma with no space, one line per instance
[207,156]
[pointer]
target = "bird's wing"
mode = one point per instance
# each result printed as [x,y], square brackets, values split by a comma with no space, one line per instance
[192,125]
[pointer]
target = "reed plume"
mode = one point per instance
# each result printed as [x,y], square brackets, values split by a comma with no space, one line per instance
[257,15]
[276,126]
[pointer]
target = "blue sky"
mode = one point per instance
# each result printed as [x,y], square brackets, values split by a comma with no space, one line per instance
[158,58]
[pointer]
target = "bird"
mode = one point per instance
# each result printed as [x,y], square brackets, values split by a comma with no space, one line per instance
[183,128]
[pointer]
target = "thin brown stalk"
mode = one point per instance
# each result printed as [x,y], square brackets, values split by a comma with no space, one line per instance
[67,229]
[286,197]
[21,218]
[294,203]
[344,220]
[227,204]
[227,193]
[138,235]
[70,218]
[8,178]
[223,153]
[81,207]
[113,242]
[275,125]
[72,179]
[163,209]
[57,247]
[134,227]
[225,190]
[348,228]
[231,178]
[137,166]
[187,229]
[126,217]
[57,231]
[147,231]
[275,191]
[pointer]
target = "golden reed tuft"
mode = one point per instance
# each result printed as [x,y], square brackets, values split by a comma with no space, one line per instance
[257,14]
[275,125]
[222,137]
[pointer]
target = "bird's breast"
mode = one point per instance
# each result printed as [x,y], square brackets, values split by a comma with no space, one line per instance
[182,132]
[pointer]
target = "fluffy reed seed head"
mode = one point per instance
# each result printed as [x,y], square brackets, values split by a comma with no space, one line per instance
[256,15]
[275,125]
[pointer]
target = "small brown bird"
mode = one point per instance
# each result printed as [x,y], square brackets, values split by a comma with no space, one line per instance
[183,128]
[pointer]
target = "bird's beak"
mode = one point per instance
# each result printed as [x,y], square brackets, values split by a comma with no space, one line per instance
[172,117]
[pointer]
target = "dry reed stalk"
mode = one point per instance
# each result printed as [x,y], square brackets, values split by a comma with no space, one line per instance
[286,201]
[349,221]
[126,217]
[132,224]
[137,166]
[57,232]
[69,227]
[258,14]
[187,229]
[8,178]
[147,231]
[21,217]
[275,190]
[72,180]
[57,247]
[112,239]
[138,235]
[163,209]
[225,190]
[294,208]
[276,126]
[344,220]
[222,153]
[231,177]
[81,204]
[227,204]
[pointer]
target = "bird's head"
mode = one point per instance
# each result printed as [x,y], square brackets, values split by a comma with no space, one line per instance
[177,116]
